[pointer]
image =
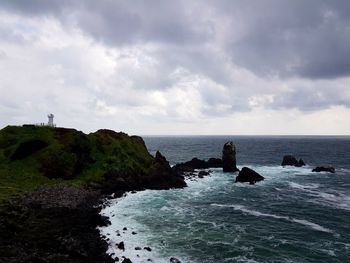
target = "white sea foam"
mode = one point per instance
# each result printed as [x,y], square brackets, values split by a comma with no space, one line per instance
[312,225]
[334,199]
[290,219]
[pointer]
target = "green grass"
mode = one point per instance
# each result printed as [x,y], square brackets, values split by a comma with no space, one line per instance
[71,157]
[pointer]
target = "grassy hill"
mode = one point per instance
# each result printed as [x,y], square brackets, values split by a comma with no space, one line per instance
[32,156]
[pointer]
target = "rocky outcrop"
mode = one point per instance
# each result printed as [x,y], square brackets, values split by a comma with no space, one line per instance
[248,175]
[329,169]
[292,161]
[188,168]
[229,158]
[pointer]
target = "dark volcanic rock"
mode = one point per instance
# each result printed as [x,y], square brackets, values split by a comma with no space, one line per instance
[162,176]
[201,174]
[248,175]
[148,249]
[121,246]
[292,161]
[53,225]
[229,158]
[195,163]
[126,260]
[174,260]
[329,169]
[214,163]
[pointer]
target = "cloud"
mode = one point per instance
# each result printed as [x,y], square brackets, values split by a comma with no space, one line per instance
[172,63]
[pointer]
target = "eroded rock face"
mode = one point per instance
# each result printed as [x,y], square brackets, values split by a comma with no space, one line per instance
[329,169]
[248,175]
[292,161]
[229,158]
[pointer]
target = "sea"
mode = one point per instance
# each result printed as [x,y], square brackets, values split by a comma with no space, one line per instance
[294,215]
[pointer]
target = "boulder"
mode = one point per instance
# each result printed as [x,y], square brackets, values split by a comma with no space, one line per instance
[229,158]
[201,174]
[126,260]
[292,161]
[248,175]
[148,249]
[174,260]
[121,246]
[329,169]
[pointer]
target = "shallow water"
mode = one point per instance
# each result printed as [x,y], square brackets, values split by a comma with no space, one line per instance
[293,216]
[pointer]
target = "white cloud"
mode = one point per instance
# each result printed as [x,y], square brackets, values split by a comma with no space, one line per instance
[165,73]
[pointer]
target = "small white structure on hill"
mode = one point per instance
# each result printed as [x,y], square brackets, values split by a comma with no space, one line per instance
[50,122]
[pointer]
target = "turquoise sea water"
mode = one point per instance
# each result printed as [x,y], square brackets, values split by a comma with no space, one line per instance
[293,216]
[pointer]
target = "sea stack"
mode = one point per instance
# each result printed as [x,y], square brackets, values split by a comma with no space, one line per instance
[229,158]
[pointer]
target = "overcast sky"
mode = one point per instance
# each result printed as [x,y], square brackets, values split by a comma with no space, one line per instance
[177,67]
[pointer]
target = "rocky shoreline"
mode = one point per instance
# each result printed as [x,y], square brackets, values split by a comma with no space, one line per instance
[53,224]
[59,222]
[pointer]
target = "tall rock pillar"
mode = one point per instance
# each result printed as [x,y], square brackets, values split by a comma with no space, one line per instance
[229,158]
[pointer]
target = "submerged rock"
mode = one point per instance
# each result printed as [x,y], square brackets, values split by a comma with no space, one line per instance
[174,260]
[329,169]
[201,174]
[121,246]
[292,161]
[248,175]
[301,162]
[229,158]
[147,248]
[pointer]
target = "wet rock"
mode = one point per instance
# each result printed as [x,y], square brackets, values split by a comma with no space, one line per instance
[229,158]
[147,248]
[126,260]
[290,160]
[248,175]
[174,260]
[138,248]
[133,233]
[163,176]
[124,228]
[329,169]
[188,168]
[121,246]
[201,174]
[214,163]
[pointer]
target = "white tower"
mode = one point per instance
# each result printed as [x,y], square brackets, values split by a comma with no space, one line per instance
[50,123]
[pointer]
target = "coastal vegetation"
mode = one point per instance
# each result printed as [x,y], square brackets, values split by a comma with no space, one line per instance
[32,156]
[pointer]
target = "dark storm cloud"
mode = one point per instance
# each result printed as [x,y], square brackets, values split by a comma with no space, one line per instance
[306,39]
[120,22]
[279,37]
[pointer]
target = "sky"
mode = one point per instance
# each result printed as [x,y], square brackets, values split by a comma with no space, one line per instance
[252,67]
